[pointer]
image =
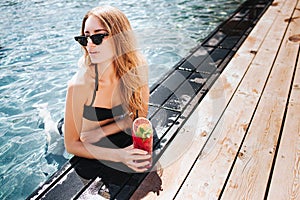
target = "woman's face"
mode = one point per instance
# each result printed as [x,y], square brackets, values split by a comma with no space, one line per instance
[102,52]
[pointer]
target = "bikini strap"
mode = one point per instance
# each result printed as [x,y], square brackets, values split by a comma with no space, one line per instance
[96,85]
[136,111]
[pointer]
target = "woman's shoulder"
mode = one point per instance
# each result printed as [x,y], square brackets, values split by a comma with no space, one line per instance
[78,90]
[81,80]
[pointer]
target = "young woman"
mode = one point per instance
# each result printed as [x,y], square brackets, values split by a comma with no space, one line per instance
[109,90]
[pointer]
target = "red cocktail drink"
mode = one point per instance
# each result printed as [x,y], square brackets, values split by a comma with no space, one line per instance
[142,135]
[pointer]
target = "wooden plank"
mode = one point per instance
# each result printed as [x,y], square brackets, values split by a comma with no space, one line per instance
[209,111]
[250,174]
[209,173]
[67,187]
[285,183]
[94,191]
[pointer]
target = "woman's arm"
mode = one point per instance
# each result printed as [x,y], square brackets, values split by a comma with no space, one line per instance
[73,123]
[97,134]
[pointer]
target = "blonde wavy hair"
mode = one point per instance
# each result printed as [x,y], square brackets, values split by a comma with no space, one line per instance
[130,65]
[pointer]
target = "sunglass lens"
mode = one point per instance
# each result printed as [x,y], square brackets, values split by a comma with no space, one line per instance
[81,40]
[97,39]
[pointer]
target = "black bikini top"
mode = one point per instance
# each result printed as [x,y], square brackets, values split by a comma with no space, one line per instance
[99,113]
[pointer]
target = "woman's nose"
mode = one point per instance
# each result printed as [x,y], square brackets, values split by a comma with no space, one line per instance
[90,42]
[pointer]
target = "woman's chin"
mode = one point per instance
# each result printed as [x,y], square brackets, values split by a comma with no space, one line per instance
[99,61]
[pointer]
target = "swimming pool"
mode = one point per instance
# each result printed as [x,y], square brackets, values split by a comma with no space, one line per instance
[38,56]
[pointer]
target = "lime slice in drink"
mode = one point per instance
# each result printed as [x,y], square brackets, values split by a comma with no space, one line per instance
[142,128]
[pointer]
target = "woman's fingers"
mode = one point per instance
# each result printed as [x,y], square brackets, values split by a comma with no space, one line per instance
[85,137]
[139,166]
[129,147]
[137,159]
[139,152]
[140,160]
[133,150]
[141,157]
[90,137]
[140,170]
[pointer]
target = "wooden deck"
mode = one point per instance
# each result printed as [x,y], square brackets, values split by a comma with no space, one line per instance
[243,139]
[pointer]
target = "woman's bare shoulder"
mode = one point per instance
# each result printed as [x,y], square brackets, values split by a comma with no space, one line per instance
[81,78]
[80,85]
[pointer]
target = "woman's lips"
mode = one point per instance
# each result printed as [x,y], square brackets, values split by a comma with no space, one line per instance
[93,52]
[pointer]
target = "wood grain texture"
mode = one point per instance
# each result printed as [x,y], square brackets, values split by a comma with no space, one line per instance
[285,182]
[252,168]
[209,174]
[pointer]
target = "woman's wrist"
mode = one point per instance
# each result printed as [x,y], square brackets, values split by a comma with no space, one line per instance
[116,155]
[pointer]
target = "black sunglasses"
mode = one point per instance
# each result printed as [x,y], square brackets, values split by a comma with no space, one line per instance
[96,39]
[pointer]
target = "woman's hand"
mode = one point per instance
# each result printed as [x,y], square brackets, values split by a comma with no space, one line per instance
[92,136]
[135,159]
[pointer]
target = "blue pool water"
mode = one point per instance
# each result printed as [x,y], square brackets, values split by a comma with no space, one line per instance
[38,56]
